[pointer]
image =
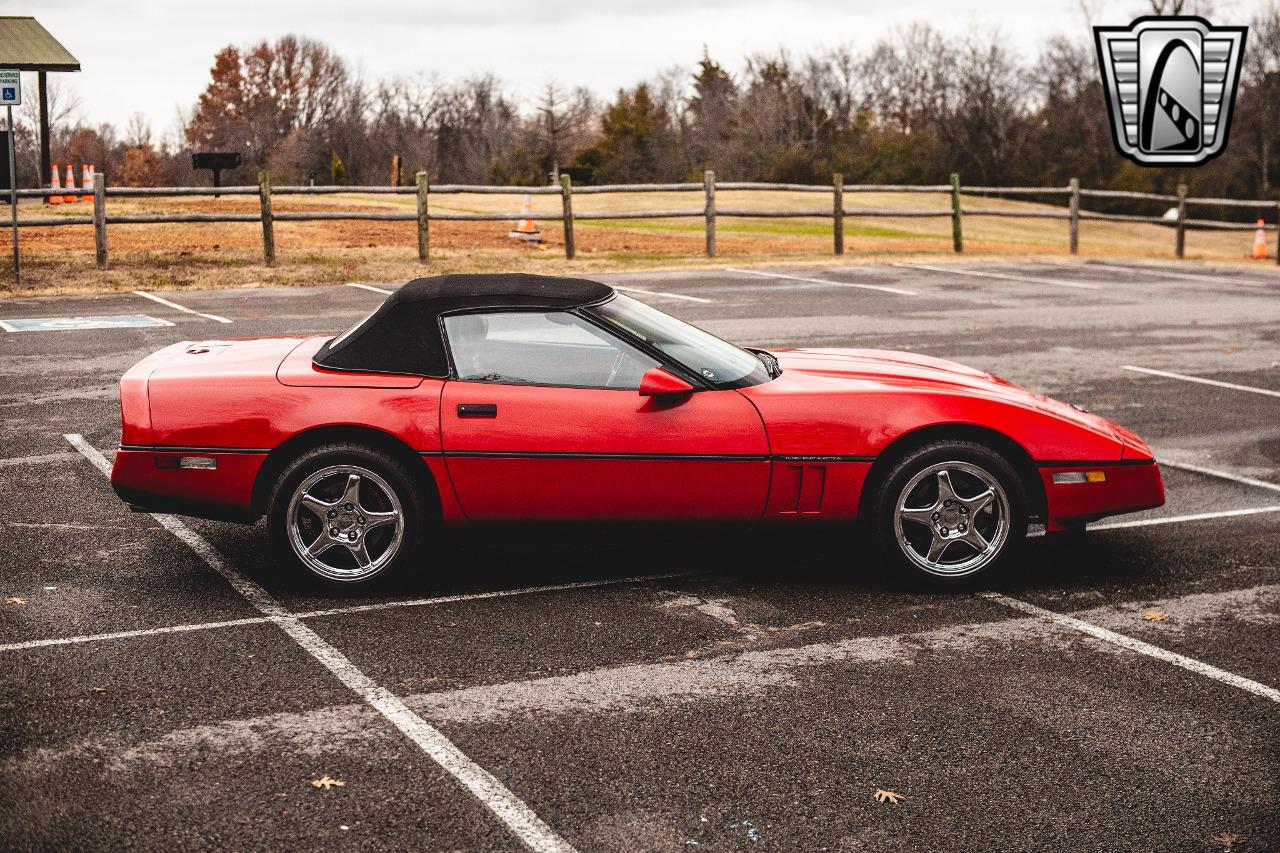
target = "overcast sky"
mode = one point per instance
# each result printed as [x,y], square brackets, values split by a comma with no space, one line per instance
[153,56]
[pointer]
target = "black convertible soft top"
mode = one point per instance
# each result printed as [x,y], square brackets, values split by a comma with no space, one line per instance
[404,336]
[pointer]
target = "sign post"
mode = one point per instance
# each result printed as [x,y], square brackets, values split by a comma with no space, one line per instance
[11,96]
[215,161]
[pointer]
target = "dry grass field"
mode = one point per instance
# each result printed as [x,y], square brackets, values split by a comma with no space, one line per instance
[230,254]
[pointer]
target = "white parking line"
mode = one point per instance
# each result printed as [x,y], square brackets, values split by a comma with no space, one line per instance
[182,308]
[881,287]
[1176,519]
[480,596]
[519,818]
[659,293]
[39,459]
[1224,475]
[1057,282]
[1159,272]
[312,614]
[1200,379]
[122,635]
[370,287]
[1136,645]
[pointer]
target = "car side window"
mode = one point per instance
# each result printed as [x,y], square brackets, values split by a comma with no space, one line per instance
[542,348]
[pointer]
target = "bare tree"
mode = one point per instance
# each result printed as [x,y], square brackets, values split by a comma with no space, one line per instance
[1089,10]
[404,119]
[834,81]
[986,118]
[1204,8]
[563,119]
[907,76]
[64,120]
[477,126]
[1069,133]
[1258,120]
[258,97]
[137,132]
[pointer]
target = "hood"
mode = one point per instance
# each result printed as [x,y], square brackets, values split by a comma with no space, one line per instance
[868,369]
[880,365]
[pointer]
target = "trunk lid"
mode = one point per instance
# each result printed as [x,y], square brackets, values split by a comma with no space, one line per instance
[238,357]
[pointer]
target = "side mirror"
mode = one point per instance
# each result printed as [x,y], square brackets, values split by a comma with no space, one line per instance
[657,382]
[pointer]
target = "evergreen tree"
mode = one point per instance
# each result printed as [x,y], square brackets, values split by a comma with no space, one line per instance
[712,113]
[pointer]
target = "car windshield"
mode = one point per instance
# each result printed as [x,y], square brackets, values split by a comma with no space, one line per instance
[719,362]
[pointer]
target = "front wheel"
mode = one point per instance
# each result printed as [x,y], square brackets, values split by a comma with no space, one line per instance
[346,514]
[950,510]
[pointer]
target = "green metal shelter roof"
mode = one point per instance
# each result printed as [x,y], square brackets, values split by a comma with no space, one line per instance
[27,46]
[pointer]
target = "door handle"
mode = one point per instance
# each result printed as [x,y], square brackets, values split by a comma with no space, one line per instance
[477,410]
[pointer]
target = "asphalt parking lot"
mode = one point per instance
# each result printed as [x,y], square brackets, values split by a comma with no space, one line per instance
[1119,691]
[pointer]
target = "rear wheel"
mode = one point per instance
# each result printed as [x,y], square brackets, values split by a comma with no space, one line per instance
[346,514]
[950,510]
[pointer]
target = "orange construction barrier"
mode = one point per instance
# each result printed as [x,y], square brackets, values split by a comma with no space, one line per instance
[1260,242]
[55,183]
[86,181]
[71,185]
[525,229]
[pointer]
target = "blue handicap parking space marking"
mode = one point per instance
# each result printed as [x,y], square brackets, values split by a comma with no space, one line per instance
[64,324]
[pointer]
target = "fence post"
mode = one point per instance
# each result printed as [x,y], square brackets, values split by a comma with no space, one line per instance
[709,183]
[837,210]
[1180,244]
[268,223]
[424,233]
[100,219]
[1073,210]
[566,201]
[1278,233]
[957,236]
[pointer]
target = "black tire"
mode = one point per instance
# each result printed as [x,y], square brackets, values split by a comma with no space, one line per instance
[385,486]
[907,538]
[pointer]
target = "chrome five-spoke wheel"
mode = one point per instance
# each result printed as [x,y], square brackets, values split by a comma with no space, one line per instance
[952,518]
[345,523]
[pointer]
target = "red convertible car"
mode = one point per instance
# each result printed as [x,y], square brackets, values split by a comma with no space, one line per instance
[469,399]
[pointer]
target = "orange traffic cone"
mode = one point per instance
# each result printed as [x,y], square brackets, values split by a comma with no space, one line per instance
[55,183]
[86,181]
[1260,242]
[525,229]
[71,185]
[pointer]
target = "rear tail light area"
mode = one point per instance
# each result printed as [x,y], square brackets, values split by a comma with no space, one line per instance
[173,462]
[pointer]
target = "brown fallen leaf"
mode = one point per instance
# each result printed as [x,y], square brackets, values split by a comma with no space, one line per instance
[14,599]
[1226,839]
[891,797]
[1154,616]
[326,781]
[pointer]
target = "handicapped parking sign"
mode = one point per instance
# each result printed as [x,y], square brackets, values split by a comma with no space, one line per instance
[10,88]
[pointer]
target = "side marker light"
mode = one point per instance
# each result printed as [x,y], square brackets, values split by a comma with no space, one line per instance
[1064,477]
